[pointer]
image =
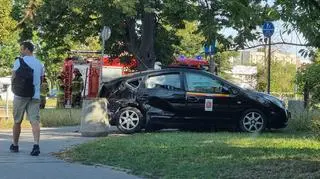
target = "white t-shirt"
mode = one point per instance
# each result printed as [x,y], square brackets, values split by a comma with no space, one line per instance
[38,72]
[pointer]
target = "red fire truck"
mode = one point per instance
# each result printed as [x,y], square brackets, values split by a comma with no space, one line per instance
[94,71]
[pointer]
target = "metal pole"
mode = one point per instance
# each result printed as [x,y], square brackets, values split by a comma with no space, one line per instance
[101,62]
[269,64]
[7,103]
[85,84]
[265,64]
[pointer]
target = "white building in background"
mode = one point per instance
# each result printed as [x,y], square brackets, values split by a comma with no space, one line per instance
[244,67]
[245,76]
[257,57]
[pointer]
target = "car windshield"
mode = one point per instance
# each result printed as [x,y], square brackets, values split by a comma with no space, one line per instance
[230,83]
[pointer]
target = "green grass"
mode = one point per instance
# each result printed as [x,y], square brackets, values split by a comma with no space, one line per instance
[205,155]
[304,121]
[49,118]
[51,102]
[8,123]
[60,117]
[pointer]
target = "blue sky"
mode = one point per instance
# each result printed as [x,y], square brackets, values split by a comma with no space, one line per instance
[294,37]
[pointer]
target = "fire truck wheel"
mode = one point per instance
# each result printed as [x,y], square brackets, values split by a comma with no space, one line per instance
[129,120]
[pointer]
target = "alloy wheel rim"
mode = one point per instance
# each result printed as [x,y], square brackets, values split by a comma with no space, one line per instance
[253,122]
[129,120]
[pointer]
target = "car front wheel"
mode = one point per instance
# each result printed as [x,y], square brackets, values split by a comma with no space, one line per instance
[129,120]
[253,121]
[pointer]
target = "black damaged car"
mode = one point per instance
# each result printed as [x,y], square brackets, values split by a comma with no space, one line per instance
[184,98]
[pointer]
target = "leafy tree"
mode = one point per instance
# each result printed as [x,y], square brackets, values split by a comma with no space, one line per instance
[165,43]
[191,43]
[81,19]
[8,51]
[243,16]
[24,12]
[282,77]
[261,78]
[307,80]
[7,23]
[138,25]
[303,16]
[8,38]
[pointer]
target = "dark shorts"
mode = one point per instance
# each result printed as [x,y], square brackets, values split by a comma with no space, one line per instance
[28,105]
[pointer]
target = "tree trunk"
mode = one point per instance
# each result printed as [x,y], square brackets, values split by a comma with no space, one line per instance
[146,50]
[132,37]
[212,65]
[305,96]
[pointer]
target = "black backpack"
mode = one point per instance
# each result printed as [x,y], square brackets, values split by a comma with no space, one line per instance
[22,82]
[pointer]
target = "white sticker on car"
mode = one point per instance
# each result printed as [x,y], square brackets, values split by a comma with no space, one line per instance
[208,105]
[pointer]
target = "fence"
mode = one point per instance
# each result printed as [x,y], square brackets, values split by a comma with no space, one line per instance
[5,110]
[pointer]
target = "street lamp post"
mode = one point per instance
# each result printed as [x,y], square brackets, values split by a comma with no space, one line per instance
[105,35]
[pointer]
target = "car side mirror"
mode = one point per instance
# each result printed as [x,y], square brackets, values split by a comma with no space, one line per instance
[234,91]
[225,90]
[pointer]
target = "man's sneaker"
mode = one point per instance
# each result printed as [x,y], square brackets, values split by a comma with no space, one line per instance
[35,151]
[14,148]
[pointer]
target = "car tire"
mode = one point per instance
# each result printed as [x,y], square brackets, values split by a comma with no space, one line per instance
[129,120]
[252,121]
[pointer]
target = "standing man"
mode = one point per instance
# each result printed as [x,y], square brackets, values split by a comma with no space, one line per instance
[77,87]
[26,80]
[44,90]
[60,92]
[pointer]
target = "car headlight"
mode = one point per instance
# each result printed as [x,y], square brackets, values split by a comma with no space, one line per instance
[275,100]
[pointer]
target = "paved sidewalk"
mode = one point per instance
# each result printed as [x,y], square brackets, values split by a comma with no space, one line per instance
[23,166]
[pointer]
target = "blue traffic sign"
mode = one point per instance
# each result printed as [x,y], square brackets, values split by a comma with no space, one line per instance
[210,49]
[268,29]
[206,49]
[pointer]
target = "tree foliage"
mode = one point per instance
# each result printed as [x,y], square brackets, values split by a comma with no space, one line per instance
[191,40]
[138,26]
[302,16]
[308,83]
[8,38]
[7,23]
[282,77]
[242,16]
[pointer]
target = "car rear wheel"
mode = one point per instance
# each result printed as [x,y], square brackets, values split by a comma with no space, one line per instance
[253,121]
[129,120]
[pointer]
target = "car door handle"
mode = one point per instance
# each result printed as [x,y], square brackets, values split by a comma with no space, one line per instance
[193,99]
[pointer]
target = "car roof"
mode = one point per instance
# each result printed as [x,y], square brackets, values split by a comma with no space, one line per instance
[148,72]
[168,70]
